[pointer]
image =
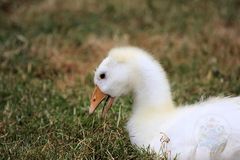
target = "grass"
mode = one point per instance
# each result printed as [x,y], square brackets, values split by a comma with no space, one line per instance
[49,49]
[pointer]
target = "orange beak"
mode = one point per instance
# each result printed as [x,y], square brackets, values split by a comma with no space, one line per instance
[97,97]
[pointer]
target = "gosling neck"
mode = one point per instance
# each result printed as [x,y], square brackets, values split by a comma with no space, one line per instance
[152,89]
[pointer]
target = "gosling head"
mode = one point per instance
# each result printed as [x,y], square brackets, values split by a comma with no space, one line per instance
[113,77]
[123,70]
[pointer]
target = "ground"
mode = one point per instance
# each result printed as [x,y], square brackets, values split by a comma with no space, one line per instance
[50,48]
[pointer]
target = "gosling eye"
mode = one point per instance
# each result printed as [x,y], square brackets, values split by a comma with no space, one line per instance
[102,76]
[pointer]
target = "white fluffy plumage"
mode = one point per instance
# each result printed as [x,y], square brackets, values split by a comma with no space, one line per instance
[205,130]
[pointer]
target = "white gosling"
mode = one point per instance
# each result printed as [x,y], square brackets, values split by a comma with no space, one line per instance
[205,130]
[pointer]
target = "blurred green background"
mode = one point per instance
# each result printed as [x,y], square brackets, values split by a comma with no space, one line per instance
[50,48]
